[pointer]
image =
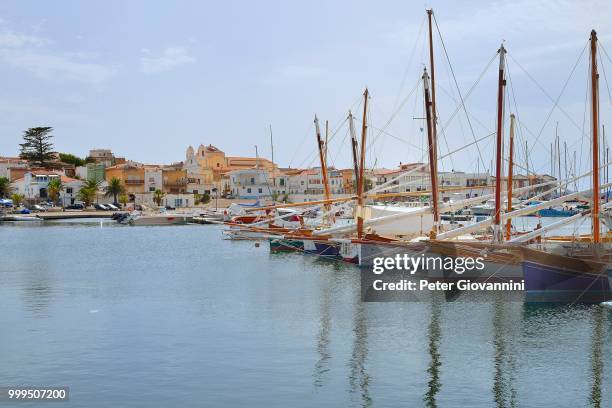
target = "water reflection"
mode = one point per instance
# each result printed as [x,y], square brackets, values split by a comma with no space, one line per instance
[504,391]
[433,385]
[596,356]
[323,338]
[359,379]
[37,294]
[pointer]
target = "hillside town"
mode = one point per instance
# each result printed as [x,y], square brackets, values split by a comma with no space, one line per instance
[208,173]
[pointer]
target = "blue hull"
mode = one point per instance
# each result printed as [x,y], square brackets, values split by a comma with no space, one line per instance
[553,284]
[322,248]
[557,213]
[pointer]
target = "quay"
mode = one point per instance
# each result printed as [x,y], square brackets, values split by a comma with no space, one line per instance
[64,215]
[67,215]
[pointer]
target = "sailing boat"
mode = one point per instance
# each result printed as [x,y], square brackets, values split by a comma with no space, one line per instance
[553,277]
[500,262]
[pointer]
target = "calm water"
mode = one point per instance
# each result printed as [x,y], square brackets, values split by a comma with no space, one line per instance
[175,316]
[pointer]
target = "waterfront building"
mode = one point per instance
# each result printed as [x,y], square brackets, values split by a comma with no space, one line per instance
[174,179]
[132,175]
[34,186]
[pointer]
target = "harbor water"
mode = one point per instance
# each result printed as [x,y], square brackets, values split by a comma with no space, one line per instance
[176,316]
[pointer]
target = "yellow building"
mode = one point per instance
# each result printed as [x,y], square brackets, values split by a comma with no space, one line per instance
[174,180]
[131,174]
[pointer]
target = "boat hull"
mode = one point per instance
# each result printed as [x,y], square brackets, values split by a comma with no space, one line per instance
[159,220]
[326,249]
[286,245]
[557,278]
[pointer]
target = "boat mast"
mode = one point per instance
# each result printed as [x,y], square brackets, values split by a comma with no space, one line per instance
[433,165]
[595,119]
[272,151]
[510,169]
[273,172]
[322,157]
[500,122]
[433,80]
[360,181]
[355,145]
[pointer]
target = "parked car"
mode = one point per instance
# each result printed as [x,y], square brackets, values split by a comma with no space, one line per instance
[112,207]
[38,207]
[168,207]
[75,206]
[100,207]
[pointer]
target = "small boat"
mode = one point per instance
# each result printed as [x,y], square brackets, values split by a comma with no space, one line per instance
[158,219]
[557,212]
[17,217]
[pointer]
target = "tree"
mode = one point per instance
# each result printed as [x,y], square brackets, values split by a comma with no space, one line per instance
[87,195]
[205,198]
[71,159]
[115,188]
[88,192]
[17,199]
[54,188]
[158,196]
[366,186]
[123,199]
[5,187]
[37,146]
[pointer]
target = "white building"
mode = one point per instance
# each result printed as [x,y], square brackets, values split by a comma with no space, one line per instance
[153,179]
[34,186]
[250,184]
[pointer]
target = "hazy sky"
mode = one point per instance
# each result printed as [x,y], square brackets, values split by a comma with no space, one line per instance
[147,79]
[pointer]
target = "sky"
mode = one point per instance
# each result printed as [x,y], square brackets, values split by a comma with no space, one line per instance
[149,78]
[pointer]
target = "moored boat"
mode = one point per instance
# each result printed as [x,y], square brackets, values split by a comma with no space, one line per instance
[558,278]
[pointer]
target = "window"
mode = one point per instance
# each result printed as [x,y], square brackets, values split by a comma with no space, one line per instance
[260,191]
[69,190]
[252,180]
[249,190]
[282,182]
[218,165]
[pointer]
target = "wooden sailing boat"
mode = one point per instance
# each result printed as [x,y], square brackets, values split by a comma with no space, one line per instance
[499,261]
[553,277]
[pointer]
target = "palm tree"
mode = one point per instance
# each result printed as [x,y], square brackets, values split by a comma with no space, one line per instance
[54,188]
[115,188]
[87,195]
[5,187]
[17,199]
[158,196]
[88,192]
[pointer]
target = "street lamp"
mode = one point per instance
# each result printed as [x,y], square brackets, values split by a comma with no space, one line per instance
[216,191]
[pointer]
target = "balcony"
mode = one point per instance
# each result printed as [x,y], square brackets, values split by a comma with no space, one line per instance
[134,182]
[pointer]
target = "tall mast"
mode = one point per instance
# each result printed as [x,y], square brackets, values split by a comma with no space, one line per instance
[433,164]
[322,149]
[256,158]
[510,174]
[527,163]
[595,124]
[360,183]
[272,150]
[558,156]
[565,173]
[498,156]
[354,145]
[434,117]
